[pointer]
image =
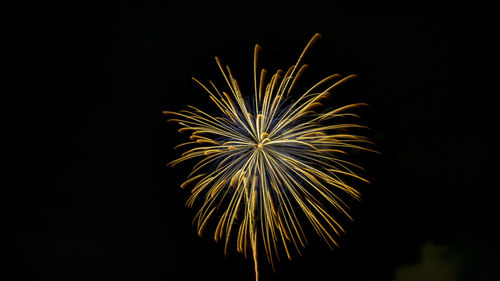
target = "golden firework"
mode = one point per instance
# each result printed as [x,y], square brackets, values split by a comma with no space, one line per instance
[267,164]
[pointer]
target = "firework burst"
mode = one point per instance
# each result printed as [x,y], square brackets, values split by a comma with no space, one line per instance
[268,162]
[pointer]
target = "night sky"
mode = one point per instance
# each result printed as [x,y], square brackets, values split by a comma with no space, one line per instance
[93,198]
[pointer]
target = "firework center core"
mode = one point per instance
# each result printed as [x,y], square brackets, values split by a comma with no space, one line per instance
[263,141]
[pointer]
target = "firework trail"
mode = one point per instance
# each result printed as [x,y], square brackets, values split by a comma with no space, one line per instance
[268,162]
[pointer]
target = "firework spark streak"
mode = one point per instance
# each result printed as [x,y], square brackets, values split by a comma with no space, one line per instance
[268,163]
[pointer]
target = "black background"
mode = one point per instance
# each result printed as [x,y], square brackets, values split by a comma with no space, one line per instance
[94,200]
